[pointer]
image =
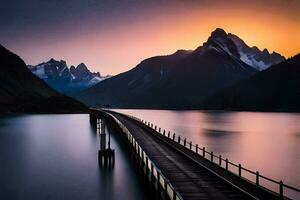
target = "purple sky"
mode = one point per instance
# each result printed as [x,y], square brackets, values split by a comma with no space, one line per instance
[112,36]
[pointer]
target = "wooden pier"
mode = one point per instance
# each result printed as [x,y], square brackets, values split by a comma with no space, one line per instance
[182,170]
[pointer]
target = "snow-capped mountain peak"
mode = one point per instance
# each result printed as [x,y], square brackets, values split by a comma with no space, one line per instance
[234,46]
[64,79]
[220,42]
[254,57]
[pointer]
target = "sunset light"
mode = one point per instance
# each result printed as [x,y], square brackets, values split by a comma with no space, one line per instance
[115,40]
[150,99]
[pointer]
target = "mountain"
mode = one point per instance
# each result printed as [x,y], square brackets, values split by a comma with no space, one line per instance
[274,89]
[178,81]
[21,91]
[64,79]
[260,60]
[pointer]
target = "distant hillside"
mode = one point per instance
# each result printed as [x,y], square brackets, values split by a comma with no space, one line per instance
[64,79]
[178,81]
[21,91]
[275,89]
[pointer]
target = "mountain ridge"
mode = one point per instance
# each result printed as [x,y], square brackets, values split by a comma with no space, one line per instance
[273,89]
[177,81]
[66,79]
[253,56]
[21,91]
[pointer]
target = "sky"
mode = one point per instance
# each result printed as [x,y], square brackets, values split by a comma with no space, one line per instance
[113,36]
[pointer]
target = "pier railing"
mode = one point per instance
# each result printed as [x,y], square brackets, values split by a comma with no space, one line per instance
[236,169]
[150,166]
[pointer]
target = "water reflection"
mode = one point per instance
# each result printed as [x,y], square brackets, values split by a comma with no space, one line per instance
[217,133]
[55,157]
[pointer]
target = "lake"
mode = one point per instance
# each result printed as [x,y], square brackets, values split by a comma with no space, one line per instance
[55,157]
[264,142]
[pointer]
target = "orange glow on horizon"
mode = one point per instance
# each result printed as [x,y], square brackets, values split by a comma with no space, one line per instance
[121,47]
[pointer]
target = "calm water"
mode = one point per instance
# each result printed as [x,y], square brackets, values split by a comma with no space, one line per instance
[55,157]
[267,142]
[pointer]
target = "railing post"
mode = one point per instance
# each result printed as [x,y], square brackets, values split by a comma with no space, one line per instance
[240,170]
[155,127]
[196,148]
[129,138]
[132,139]
[203,152]
[168,134]
[164,133]
[226,166]
[257,178]
[146,164]
[178,139]
[134,146]
[212,156]
[158,180]
[191,145]
[184,142]
[281,189]
[220,160]
[174,136]
[166,188]
[159,130]
[152,173]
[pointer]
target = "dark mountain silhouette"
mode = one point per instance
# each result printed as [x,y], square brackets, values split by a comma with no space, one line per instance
[274,89]
[64,79]
[178,81]
[21,91]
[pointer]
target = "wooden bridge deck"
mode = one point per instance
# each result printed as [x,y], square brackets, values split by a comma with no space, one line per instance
[192,176]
